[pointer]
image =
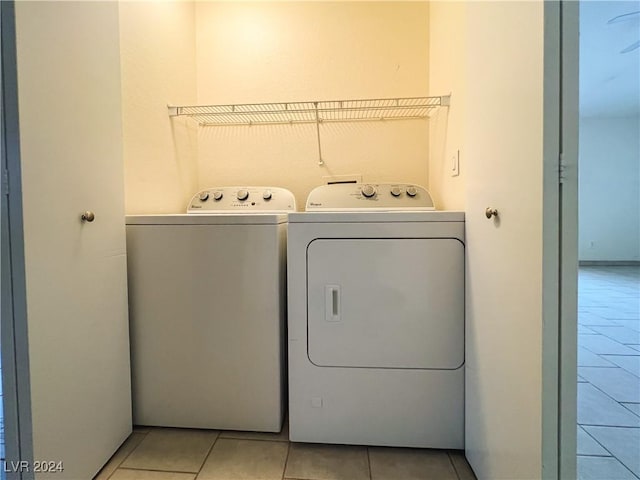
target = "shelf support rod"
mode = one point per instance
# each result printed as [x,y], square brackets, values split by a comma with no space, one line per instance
[320,160]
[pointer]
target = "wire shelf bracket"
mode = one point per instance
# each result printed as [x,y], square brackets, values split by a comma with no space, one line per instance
[379,109]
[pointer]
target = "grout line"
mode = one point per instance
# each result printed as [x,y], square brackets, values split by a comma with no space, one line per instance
[607,394]
[608,426]
[596,440]
[453,465]
[144,434]
[630,403]
[593,455]
[296,478]
[206,457]
[598,366]
[625,466]
[281,440]
[369,464]
[136,469]
[286,459]
[635,354]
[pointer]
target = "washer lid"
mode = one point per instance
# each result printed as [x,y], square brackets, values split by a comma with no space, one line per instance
[352,197]
[211,219]
[242,200]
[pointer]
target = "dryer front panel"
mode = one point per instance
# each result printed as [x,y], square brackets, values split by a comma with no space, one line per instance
[386,303]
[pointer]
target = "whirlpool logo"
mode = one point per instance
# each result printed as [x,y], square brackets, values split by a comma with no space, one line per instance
[313,204]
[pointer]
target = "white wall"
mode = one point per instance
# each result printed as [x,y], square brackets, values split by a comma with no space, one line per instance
[244,52]
[301,51]
[609,174]
[448,74]
[157,50]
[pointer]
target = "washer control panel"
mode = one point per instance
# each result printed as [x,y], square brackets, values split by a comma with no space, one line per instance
[238,200]
[369,196]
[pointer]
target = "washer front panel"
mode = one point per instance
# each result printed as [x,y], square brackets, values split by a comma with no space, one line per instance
[207,311]
[386,303]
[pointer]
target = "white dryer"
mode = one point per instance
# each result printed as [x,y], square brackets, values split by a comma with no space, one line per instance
[376,318]
[207,300]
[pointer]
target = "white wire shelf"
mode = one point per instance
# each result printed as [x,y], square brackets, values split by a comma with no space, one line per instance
[311,112]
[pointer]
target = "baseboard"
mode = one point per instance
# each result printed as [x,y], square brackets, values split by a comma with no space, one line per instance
[609,263]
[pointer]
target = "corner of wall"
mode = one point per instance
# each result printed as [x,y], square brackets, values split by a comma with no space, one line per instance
[158,68]
[447,75]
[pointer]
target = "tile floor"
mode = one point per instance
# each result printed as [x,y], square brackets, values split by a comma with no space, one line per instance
[609,373]
[608,418]
[183,454]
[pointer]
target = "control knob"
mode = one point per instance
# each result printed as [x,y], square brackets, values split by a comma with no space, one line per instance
[203,196]
[242,194]
[267,195]
[217,195]
[412,191]
[368,191]
[395,191]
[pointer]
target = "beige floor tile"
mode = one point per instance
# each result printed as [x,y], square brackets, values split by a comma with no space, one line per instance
[175,450]
[463,469]
[125,449]
[126,474]
[283,436]
[327,462]
[233,459]
[410,464]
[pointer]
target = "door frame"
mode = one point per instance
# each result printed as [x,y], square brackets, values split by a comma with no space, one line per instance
[568,271]
[560,244]
[560,230]
[15,357]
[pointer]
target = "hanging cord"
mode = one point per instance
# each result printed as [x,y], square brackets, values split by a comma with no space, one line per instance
[320,160]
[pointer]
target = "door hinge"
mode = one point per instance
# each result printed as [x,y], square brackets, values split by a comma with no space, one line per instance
[5,182]
[561,168]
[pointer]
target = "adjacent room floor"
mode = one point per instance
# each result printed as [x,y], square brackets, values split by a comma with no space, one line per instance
[181,454]
[609,373]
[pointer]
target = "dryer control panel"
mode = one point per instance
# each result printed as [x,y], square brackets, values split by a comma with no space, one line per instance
[355,197]
[238,200]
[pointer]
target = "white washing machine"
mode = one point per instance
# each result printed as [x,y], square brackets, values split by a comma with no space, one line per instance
[376,318]
[207,301]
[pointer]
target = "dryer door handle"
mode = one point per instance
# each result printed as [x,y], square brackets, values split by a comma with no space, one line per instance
[332,303]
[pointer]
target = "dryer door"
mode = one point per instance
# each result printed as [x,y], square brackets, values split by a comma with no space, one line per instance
[386,303]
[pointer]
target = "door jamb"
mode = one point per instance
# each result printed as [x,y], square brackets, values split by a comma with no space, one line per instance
[559,358]
[569,118]
[15,356]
